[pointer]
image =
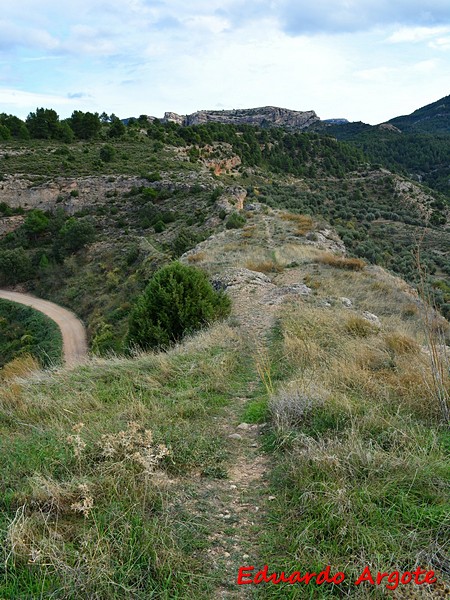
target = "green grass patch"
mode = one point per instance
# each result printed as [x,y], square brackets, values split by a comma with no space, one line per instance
[99,466]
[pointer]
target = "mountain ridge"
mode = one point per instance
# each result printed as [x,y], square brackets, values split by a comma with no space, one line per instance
[264,116]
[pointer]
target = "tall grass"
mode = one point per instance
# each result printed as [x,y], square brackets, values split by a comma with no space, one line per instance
[360,472]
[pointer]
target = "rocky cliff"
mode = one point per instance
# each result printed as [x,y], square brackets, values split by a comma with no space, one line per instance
[267,116]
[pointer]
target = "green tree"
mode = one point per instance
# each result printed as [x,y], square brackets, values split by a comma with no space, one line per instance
[117,128]
[15,266]
[178,300]
[36,224]
[16,126]
[44,124]
[75,234]
[85,125]
[5,134]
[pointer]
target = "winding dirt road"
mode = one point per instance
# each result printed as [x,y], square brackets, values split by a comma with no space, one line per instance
[72,330]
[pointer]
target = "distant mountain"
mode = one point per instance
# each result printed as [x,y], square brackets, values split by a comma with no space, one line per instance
[267,116]
[433,118]
[416,145]
[335,121]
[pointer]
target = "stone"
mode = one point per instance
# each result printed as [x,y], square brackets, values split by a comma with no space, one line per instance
[346,302]
[243,426]
[372,318]
[235,436]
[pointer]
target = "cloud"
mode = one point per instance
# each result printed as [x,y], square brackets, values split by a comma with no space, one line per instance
[24,99]
[416,34]
[76,95]
[343,16]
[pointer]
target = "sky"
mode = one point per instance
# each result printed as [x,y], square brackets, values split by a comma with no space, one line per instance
[364,60]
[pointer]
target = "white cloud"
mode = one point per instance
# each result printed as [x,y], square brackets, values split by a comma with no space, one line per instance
[441,43]
[416,34]
[23,99]
[356,59]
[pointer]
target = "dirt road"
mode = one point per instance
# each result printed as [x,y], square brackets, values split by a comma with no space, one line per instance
[72,330]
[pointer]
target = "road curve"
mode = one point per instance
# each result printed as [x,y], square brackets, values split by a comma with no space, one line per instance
[72,329]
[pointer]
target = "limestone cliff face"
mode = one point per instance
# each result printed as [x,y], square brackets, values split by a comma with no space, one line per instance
[267,116]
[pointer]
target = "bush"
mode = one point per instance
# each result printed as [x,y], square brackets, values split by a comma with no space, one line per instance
[15,266]
[178,300]
[107,153]
[235,221]
[74,235]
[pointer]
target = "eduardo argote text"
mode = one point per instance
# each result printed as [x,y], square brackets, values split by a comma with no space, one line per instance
[391,580]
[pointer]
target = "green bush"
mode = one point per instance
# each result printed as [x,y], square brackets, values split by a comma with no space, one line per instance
[107,153]
[235,221]
[178,300]
[15,266]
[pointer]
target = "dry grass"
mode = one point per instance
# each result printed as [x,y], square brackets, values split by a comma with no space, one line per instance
[341,262]
[249,231]
[360,327]
[265,266]
[303,223]
[19,367]
[349,355]
[291,404]
[399,343]
[197,257]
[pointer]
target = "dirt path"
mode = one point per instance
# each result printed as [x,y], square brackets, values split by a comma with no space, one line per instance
[72,330]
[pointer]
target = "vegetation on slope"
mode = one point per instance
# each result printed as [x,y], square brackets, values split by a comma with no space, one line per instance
[26,331]
[359,464]
[94,506]
[183,173]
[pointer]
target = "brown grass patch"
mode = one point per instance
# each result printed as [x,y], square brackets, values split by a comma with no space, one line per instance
[198,257]
[304,223]
[249,231]
[399,343]
[410,310]
[265,266]
[312,282]
[341,262]
[19,367]
[359,327]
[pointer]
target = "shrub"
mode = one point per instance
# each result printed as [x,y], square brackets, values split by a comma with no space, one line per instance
[74,235]
[15,266]
[178,300]
[159,226]
[290,407]
[235,221]
[107,153]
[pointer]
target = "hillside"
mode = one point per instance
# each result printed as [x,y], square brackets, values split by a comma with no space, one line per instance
[74,222]
[416,145]
[283,436]
[433,118]
[306,429]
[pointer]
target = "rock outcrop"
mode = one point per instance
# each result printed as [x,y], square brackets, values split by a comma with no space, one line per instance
[267,116]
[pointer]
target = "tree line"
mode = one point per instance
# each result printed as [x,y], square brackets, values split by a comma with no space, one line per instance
[45,124]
